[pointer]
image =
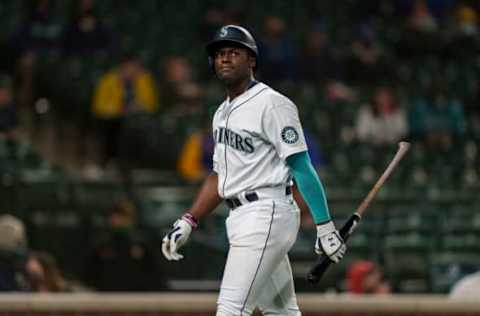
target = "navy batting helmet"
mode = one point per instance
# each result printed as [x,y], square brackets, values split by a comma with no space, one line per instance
[232,34]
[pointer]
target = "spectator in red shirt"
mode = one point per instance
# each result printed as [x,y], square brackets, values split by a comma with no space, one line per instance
[366,277]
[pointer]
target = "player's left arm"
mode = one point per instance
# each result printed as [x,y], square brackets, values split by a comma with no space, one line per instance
[310,186]
[313,193]
[283,129]
[205,203]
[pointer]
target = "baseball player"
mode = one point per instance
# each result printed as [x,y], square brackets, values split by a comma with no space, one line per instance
[259,149]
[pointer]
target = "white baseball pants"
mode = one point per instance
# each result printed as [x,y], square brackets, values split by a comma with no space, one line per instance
[258,272]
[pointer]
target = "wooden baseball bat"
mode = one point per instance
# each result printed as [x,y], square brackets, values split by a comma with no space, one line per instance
[323,262]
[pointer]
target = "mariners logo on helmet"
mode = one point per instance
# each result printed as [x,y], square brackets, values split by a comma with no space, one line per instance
[289,135]
[223,32]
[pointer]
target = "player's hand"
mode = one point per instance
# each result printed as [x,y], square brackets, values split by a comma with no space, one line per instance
[329,242]
[175,239]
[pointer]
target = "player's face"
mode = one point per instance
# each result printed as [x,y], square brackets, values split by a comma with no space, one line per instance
[233,64]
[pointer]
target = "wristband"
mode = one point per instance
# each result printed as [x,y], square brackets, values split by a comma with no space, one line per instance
[190,219]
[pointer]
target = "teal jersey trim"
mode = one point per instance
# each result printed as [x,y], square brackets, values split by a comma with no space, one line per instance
[309,185]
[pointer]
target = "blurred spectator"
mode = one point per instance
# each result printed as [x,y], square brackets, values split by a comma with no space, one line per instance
[367,59]
[336,91]
[437,119]
[372,9]
[21,269]
[465,34]
[122,260]
[85,32]
[466,21]
[441,8]
[422,36]
[44,273]
[190,163]
[366,277]
[13,236]
[8,113]
[382,121]
[467,288]
[37,35]
[13,255]
[421,18]
[177,72]
[40,32]
[213,19]
[314,149]
[318,62]
[278,53]
[195,159]
[190,99]
[125,90]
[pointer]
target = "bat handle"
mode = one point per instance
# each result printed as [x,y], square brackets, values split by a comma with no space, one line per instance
[323,262]
[321,265]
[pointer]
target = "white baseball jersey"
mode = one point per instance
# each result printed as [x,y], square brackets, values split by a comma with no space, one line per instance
[254,134]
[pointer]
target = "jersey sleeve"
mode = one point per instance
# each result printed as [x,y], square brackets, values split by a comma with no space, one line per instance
[283,129]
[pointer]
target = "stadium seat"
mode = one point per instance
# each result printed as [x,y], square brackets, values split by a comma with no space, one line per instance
[406,260]
[161,206]
[96,195]
[447,268]
[460,229]
[62,232]
[40,189]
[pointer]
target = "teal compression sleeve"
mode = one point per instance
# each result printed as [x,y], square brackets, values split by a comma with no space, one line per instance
[309,185]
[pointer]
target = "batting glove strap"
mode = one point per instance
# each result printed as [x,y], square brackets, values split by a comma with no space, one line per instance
[325,229]
[192,220]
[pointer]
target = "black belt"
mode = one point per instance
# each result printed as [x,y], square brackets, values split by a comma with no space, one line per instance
[233,203]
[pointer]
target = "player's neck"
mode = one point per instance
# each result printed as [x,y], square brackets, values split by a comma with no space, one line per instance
[239,88]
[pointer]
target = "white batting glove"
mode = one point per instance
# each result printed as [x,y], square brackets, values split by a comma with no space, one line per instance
[329,242]
[177,237]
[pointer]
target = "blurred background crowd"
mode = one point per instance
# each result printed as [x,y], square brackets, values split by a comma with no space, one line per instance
[105,111]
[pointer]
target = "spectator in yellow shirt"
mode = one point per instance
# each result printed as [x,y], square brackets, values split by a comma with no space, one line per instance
[195,159]
[126,89]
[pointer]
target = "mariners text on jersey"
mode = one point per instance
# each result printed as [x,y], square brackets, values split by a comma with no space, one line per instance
[236,141]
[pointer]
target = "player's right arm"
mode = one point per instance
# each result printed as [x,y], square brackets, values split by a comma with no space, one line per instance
[206,201]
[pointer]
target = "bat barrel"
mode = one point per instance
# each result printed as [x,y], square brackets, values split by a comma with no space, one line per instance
[323,262]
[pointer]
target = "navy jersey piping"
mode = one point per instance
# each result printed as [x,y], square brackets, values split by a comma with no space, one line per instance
[261,259]
[226,126]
